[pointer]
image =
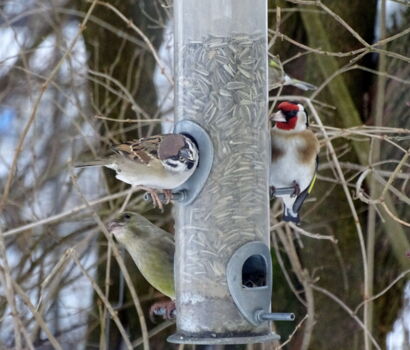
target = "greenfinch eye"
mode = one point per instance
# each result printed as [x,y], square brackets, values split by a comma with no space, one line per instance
[127,216]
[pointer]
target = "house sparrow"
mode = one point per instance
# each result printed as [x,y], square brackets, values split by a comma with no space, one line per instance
[294,157]
[278,77]
[152,250]
[161,162]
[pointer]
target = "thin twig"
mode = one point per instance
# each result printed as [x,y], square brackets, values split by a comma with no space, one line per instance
[349,311]
[385,290]
[131,24]
[104,300]
[68,213]
[7,282]
[312,235]
[121,264]
[37,316]
[128,120]
[394,217]
[293,333]
[154,331]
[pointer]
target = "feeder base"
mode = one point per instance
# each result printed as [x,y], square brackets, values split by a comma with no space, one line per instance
[183,339]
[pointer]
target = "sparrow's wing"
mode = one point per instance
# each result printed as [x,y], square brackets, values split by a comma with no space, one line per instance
[303,195]
[142,151]
[98,162]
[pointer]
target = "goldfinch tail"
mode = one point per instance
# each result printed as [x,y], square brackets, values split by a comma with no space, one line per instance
[289,217]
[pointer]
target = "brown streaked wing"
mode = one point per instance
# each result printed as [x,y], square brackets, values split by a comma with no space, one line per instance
[142,150]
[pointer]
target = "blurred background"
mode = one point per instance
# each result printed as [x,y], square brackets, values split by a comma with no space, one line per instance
[77,76]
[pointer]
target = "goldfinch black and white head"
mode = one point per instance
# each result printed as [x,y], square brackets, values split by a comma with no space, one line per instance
[290,117]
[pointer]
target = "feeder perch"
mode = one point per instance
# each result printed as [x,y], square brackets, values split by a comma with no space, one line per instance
[283,191]
[176,196]
[223,271]
[197,181]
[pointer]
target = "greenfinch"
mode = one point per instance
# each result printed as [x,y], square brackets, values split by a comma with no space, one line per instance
[152,250]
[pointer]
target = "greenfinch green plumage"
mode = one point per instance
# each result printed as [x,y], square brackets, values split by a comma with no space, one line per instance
[151,248]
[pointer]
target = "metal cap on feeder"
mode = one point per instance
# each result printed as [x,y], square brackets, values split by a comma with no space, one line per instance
[223,269]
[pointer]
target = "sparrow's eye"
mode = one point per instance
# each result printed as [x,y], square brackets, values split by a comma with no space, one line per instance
[127,217]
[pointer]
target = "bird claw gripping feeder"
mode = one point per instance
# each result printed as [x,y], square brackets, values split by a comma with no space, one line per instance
[223,272]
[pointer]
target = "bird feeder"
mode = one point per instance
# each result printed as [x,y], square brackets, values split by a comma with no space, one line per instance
[223,266]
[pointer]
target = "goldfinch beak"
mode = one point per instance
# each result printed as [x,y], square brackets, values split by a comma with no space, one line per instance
[278,117]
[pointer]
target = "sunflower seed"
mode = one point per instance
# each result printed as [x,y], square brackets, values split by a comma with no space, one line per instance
[222,86]
[235,85]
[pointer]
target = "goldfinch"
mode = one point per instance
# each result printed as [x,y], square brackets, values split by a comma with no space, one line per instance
[152,250]
[278,77]
[161,162]
[295,151]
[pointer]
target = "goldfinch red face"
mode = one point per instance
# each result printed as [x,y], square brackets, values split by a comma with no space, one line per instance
[290,117]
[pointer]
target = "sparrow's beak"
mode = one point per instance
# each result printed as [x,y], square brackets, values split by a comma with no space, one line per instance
[186,154]
[278,117]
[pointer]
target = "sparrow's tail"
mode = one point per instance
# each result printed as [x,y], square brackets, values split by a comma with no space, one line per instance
[303,85]
[98,162]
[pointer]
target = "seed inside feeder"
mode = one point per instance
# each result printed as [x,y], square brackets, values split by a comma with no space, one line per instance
[222,86]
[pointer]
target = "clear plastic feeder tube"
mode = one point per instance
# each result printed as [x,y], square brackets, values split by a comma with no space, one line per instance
[221,84]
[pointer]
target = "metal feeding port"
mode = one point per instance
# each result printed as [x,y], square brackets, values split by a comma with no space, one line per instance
[249,276]
[196,182]
[188,191]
